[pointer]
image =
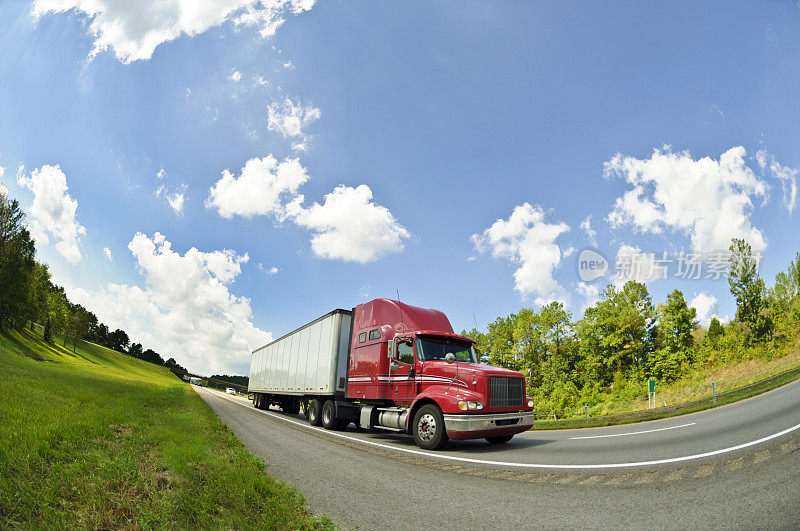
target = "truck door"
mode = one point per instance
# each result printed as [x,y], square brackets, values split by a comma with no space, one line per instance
[403,379]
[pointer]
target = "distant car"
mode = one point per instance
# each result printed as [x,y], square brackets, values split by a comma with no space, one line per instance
[230,391]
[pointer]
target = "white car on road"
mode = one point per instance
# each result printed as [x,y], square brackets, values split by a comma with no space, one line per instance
[230,391]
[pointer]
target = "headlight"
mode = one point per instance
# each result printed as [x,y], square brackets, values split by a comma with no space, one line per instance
[464,405]
[530,402]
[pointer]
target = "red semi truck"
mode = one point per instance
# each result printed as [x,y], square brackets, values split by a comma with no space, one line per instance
[388,365]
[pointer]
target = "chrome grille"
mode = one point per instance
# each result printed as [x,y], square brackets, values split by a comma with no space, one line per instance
[506,392]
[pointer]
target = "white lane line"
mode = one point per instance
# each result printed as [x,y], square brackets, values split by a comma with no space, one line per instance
[512,464]
[631,433]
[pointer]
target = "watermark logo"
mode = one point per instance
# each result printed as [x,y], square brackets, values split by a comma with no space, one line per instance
[591,265]
[633,264]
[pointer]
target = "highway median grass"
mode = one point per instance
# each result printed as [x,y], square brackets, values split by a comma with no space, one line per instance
[95,439]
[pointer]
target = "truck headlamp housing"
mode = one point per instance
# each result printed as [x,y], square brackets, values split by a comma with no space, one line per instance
[530,402]
[465,405]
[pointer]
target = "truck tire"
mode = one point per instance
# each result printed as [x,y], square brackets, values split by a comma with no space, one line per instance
[314,413]
[428,428]
[257,401]
[329,420]
[500,439]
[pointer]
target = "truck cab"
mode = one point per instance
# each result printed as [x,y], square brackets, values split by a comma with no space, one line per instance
[410,372]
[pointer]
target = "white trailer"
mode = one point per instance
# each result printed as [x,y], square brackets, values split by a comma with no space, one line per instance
[311,360]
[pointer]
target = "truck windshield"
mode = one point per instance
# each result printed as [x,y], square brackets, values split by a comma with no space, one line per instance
[436,348]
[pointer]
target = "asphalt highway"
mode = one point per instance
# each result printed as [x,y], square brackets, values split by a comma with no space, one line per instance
[730,467]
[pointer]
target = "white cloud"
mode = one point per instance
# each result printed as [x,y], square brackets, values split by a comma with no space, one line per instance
[290,118]
[175,197]
[260,189]
[787,177]
[527,240]
[349,226]
[704,303]
[270,270]
[236,76]
[288,65]
[134,29]
[186,310]
[586,226]
[53,211]
[708,200]
[176,202]
[3,189]
[632,264]
[590,293]
[107,252]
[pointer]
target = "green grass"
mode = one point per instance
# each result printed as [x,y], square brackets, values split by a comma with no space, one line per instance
[95,439]
[728,397]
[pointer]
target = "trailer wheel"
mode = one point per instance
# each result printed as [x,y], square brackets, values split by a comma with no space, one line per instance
[329,420]
[257,401]
[314,413]
[428,428]
[500,439]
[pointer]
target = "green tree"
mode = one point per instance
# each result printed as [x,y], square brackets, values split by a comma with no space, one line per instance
[715,331]
[529,345]
[39,288]
[787,283]
[56,320]
[676,323]
[784,302]
[500,342]
[17,265]
[541,339]
[152,356]
[118,340]
[135,350]
[619,332]
[748,290]
[78,321]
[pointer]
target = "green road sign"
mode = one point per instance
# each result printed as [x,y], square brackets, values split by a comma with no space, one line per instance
[651,385]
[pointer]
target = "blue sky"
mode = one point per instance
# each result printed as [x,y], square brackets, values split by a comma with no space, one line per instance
[451,151]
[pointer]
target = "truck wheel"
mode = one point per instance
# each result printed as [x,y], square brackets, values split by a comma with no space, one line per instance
[329,420]
[428,428]
[314,413]
[500,439]
[259,400]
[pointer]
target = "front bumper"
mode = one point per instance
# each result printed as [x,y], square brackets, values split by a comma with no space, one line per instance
[464,426]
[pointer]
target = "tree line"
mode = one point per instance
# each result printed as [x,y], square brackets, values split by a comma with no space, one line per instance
[28,296]
[625,339]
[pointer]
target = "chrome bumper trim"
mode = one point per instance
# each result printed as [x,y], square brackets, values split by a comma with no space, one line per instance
[487,421]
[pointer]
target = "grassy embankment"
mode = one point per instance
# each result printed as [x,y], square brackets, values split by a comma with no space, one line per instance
[734,382]
[97,439]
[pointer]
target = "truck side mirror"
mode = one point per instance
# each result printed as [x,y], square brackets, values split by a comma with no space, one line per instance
[392,349]
[450,357]
[393,365]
